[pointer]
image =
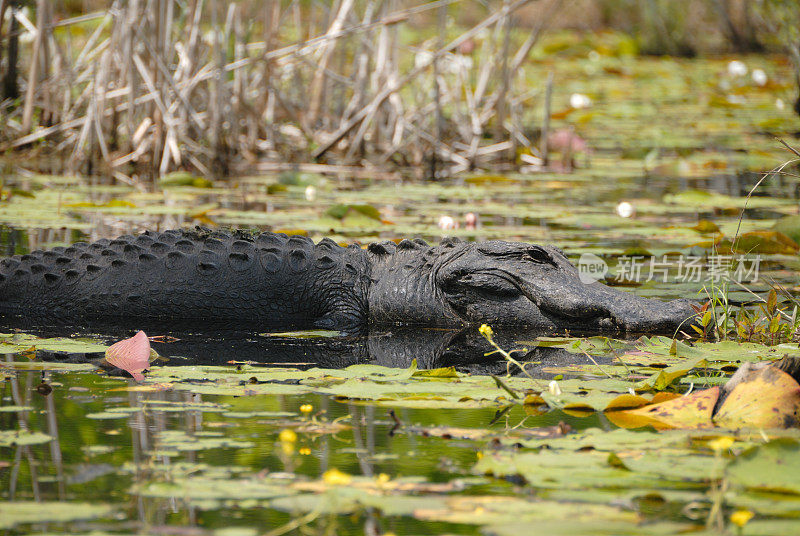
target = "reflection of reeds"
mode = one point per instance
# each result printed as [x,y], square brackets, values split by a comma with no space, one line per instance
[216,88]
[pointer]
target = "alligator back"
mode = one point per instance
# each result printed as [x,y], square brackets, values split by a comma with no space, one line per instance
[212,276]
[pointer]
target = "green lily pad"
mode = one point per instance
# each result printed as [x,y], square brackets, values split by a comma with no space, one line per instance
[11,438]
[15,513]
[789,226]
[21,342]
[773,466]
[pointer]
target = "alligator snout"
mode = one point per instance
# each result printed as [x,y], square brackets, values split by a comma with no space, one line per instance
[596,306]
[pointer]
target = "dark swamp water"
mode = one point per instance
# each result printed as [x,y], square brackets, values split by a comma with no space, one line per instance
[242,432]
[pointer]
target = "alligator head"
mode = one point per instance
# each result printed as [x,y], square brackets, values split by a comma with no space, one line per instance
[511,283]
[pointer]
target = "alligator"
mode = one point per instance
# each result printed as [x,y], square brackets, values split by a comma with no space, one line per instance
[271,279]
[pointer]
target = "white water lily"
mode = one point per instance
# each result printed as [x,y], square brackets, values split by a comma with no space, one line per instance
[759,77]
[447,222]
[625,210]
[579,100]
[737,68]
[554,388]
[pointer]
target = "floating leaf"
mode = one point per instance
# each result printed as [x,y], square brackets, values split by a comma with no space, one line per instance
[773,466]
[183,178]
[446,372]
[23,342]
[10,438]
[789,226]
[131,355]
[22,512]
[490,179]
[690,411]
[766,242]
[665,377]
[339,212]
[706,227]
[765,398]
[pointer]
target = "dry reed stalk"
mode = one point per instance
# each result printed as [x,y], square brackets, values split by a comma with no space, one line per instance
[543,149]
[323,56]
[147,92]
[365,116]
[33,73]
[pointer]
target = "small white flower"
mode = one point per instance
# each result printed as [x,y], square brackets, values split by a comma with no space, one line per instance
[779,104]
[625,210]
[446,222]
[311,193]
[737,68]
[579,100]
[554,389]
[759,77]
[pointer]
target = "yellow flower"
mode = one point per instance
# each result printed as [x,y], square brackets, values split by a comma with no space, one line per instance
[306,408]
[721,443]
[486,330]
[334,477]
[383,478]
[305,451]
[287,436]
[741,517]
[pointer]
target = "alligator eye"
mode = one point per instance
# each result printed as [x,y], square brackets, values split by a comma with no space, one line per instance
[538,255]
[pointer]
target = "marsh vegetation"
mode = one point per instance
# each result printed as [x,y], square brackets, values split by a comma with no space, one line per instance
[631,134]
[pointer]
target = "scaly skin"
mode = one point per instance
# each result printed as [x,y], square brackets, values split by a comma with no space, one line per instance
[275,280]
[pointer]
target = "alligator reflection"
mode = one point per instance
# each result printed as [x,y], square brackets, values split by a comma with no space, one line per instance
[464,349]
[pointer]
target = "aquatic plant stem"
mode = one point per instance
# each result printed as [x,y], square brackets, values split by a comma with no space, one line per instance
[488,334]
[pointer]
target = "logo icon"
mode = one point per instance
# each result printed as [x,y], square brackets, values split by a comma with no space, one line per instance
[591,268]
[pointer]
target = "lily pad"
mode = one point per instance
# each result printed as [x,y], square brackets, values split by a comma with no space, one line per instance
[773,466]
[766,242]
[11,438]
[13,513]
[789,226]
[20,342]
